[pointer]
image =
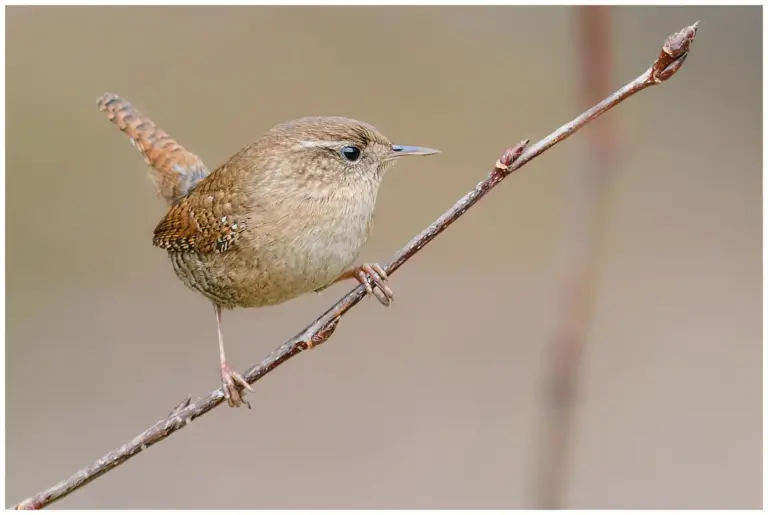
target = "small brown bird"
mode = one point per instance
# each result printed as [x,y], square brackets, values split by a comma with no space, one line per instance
[286,215]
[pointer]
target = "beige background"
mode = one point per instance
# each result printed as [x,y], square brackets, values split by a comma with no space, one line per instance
[436,401]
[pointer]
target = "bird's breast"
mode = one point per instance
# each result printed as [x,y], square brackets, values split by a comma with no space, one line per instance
[310,248]
[329,241]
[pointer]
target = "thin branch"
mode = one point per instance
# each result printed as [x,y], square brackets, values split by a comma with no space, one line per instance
[673,54]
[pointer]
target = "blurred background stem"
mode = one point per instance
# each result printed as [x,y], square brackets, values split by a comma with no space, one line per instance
[583,221]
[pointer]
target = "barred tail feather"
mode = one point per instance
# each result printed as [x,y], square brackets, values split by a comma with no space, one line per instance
[174,170]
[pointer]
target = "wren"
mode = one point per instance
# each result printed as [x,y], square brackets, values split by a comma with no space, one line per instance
[285,216]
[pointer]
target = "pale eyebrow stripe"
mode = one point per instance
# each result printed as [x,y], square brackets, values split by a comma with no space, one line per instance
[315,143]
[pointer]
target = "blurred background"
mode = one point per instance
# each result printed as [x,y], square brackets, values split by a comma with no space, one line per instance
[443,400]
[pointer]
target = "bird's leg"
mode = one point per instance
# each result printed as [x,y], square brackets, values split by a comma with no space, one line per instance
[366,274]
[229,376]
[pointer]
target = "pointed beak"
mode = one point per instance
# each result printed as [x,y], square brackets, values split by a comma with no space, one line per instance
[405,150]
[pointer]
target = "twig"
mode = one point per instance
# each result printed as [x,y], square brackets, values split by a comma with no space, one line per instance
[673,54]
[583,231]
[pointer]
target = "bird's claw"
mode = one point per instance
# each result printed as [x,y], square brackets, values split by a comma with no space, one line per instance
[228,379]
[374,278]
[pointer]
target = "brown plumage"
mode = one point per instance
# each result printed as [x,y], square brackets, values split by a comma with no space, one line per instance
[175,170]
[284,216]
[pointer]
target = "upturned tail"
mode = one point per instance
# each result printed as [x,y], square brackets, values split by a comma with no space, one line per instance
[174,171]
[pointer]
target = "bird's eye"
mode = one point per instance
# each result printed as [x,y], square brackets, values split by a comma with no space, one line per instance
[350,153]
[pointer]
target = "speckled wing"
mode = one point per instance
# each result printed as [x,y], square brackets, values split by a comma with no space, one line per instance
[209,219]
[175,171]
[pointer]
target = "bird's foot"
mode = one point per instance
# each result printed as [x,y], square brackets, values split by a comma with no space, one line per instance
[229,378]
[374,278]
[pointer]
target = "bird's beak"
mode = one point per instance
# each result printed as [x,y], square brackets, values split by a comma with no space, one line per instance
[405,150]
